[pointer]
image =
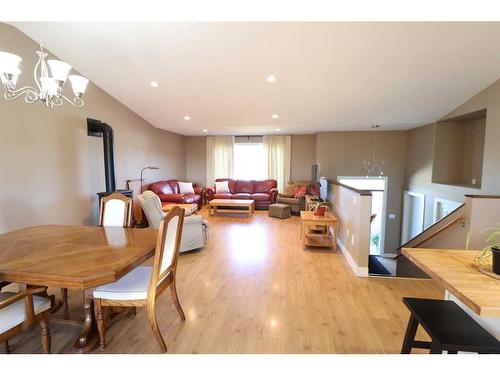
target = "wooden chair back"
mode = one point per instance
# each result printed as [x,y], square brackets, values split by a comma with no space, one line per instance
[115,211]
[167,251]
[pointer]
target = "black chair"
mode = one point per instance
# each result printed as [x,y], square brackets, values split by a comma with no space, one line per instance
[449,327]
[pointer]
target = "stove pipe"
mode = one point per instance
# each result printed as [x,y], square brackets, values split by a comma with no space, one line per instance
[96,128]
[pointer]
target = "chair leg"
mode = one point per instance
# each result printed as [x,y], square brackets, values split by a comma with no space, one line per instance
[156,330]
[64,296]
[436,347]
[173,291]
[44,324]
[411,331]
[99,314]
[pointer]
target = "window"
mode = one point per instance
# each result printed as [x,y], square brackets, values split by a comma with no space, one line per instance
[249,161]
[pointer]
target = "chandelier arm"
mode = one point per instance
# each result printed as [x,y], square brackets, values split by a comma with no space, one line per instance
[34,74]
[76,102]
[30,93]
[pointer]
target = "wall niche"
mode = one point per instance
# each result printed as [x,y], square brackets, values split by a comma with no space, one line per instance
[458,150]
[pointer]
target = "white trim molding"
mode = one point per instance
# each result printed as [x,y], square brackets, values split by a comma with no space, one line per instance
[358,271]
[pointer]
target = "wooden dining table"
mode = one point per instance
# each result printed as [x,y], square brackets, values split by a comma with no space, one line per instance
[74,257]
[456,271]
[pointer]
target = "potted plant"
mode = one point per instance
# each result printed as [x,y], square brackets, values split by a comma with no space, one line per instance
[492,249]
[320,207]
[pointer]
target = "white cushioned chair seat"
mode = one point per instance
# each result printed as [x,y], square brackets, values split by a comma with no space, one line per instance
[15,314]
[132,286]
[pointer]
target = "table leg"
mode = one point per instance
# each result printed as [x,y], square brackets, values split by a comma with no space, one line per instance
[335,234]
[304,231]
[88,337]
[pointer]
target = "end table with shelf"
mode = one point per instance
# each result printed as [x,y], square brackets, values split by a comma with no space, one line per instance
[321,238]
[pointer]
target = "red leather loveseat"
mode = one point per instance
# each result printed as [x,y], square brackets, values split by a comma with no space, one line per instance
[168,191]
[263,193]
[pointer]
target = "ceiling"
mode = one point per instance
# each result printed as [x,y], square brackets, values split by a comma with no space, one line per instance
[329,76]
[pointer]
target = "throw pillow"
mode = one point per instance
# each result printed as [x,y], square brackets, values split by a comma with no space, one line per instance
[185,187]
[221,187]
[290,190]
[300,191]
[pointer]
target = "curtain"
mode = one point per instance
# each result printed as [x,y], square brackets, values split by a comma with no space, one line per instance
[278,149]
[220,158]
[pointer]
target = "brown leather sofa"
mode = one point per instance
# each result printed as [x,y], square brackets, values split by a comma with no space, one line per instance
[168,191]
[263,192]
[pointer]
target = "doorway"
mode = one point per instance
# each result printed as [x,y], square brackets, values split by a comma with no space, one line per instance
[378,188]
[413,215]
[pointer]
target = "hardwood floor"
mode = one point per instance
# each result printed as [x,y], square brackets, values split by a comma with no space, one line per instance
[254,290]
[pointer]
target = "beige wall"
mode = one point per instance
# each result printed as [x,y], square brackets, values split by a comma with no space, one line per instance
[421,150]
[196,159]
[343,153]
[353,211]
[303,156]
[50,170]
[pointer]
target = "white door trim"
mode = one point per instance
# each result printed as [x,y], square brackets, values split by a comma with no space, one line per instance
[406,207]
[441,200]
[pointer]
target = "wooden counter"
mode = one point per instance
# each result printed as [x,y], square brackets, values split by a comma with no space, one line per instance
[456,271]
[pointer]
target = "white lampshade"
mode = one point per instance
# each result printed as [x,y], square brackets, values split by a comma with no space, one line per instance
[10,77]
[49,86]
[9,63]
[59,70]
[79,84]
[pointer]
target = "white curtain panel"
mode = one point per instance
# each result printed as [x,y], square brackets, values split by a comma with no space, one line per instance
[220,158]
[278,149]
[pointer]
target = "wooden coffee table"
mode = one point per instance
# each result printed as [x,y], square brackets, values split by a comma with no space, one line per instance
[189,208]
[214,204]
[309,238]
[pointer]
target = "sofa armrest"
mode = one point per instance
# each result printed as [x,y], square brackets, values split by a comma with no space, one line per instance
[273,193]
[176,198]
[210,193]
[193,219]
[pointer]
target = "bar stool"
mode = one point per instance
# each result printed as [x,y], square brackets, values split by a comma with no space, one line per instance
[449,327]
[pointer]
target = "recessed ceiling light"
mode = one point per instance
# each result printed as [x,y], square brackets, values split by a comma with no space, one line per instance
[154,84]
[275,116]
[278,129]
[271,79]
[204,130]
[187,118]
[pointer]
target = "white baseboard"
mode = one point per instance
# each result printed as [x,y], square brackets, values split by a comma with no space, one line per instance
[358,271]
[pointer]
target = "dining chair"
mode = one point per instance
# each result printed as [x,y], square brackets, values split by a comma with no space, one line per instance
[143,285]
[115,210]
[19,311]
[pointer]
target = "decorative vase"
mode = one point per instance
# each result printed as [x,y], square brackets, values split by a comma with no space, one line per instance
[320,211]
[495,254]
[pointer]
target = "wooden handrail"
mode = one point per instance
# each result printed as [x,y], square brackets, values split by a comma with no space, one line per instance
[357,191]
[483,196]
[438,232]
[432,226]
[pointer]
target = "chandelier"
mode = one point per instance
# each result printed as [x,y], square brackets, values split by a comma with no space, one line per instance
[49,84]
[373,168]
